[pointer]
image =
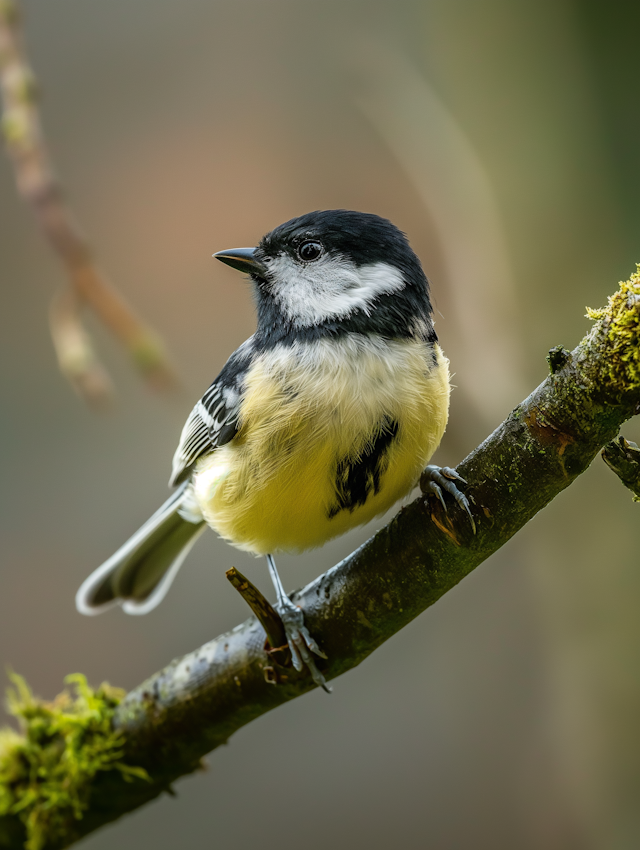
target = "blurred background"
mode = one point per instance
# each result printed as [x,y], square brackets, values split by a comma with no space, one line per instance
[503,138]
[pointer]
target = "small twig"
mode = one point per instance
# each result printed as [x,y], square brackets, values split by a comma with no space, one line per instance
[623,457]
[76,357]
[267,615]
[39,187]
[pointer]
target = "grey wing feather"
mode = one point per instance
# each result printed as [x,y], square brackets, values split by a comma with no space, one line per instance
[140,572]
[214,420]
[202,433]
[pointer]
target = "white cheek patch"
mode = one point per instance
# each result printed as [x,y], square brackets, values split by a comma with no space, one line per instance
[330,288]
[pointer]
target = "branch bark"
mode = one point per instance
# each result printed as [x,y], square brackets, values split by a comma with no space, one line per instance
[196,703]
[623,457]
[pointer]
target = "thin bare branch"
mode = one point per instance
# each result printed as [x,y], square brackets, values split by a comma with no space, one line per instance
[76,356]
[39,187]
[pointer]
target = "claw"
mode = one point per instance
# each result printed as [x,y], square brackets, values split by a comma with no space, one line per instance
[451,473]
[301,643]
[313,646]
[433,487]
[434,479]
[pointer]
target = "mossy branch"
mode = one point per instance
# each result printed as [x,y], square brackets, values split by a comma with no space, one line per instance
[173,719]
[46,772]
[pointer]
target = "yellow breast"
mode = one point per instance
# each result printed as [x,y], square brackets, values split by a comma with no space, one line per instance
[331,434]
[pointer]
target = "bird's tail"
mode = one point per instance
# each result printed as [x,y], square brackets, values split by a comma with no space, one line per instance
[139,574]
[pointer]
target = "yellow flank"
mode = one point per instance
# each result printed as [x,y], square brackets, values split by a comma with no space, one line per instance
[273,487]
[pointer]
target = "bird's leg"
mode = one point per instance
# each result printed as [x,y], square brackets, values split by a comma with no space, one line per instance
[435,479]
[300,641]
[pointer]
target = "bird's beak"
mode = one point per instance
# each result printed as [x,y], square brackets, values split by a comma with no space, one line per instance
[243,259]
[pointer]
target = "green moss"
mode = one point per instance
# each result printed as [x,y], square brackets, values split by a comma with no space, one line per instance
[620,322]
[46,772]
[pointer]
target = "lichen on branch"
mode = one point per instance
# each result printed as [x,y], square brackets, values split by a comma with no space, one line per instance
[46,772]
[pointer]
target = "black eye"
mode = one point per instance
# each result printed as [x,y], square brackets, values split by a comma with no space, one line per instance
[309,251]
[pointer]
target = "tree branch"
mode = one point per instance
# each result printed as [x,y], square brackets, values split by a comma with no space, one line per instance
[623,457]
[196,703]
[39,187]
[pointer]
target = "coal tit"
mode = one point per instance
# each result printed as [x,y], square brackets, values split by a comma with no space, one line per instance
[319,422]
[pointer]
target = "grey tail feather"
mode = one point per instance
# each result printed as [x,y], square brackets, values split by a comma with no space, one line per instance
[139,574]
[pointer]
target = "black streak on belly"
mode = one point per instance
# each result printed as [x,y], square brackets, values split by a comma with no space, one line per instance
[355,480]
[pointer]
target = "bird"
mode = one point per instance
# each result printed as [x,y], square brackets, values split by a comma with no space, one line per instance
[321,421]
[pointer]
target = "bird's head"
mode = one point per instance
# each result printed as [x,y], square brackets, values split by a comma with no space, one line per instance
[337,270]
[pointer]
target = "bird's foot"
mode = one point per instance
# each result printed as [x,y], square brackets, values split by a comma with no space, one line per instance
[435,479]
[300,641]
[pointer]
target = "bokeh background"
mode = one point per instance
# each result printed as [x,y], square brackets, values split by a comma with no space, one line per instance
[503,138]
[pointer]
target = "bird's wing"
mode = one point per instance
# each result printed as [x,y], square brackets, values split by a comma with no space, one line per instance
[213,421]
